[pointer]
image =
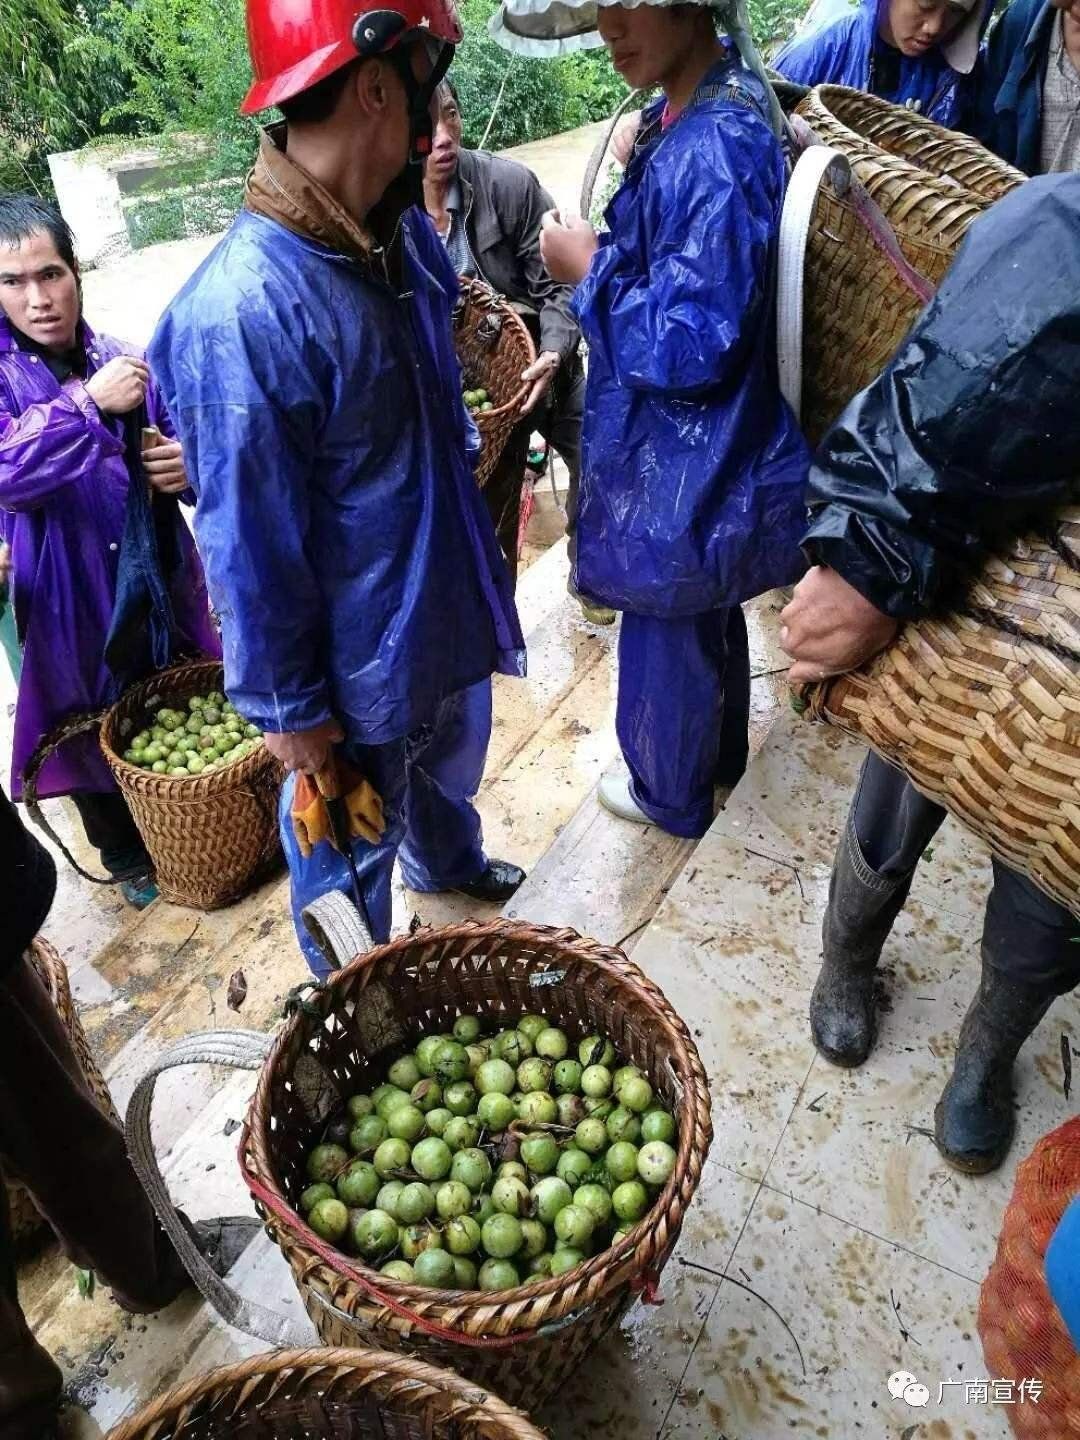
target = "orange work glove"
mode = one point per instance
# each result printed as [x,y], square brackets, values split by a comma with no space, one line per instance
[311,819]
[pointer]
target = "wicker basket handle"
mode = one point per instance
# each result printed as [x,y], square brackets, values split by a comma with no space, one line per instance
[238,1050]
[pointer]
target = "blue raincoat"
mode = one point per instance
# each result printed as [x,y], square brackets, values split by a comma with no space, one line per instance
[693,464]
[848,50]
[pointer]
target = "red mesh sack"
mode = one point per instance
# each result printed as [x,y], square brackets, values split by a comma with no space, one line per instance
[1023,1334]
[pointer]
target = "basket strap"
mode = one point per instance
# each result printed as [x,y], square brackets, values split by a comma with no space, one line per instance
[238,1050]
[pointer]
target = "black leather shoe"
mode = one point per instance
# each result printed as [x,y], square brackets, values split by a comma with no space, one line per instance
[495,885]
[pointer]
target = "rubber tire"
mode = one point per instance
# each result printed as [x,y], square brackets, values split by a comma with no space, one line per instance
[335,926]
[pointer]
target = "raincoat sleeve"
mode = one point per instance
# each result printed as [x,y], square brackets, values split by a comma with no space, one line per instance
[973,430]
[248,411]
[818,57]
[49,445]
[678,313]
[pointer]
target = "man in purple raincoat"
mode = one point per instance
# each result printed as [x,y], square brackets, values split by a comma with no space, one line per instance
[64,393]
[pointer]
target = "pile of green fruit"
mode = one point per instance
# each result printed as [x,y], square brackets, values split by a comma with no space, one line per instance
[488,1163]
[478,402]
[209,735]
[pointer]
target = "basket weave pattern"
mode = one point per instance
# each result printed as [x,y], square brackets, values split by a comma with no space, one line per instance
[211,837]
[327,1395]
[27,1223]
[420,984]
[494,347]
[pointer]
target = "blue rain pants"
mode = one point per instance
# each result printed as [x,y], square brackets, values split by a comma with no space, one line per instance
[683,713]
[428,783]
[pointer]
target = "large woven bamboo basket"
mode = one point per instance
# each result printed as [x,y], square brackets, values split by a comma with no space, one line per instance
[327,1395]
[28,1226]
[523,1343]
[981,708]
[494,347]
[211,837]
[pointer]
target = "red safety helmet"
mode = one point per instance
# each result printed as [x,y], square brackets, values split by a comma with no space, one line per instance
[296,43]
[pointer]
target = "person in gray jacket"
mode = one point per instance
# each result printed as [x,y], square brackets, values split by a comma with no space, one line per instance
[488,210]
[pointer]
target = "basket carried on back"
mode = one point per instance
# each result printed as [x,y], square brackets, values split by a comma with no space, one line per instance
[27,1224]
[526,1342]
[327,1395]
[210,836]
[494,347]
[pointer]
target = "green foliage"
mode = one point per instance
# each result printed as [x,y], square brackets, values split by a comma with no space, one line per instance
[772,22]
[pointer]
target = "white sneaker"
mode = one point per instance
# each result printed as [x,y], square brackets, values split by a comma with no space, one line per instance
[614,795]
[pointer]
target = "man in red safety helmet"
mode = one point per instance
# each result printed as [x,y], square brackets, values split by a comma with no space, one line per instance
[310,368]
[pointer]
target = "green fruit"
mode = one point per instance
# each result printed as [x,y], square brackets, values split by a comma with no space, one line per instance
[596,1200]
[534,1238]
[179,770]
[564,1260]
[630,1201]
[500,1236]
[591,1136]
[330,1220]
[375,1234]
[656,1162]
[195,765]
[388,1102]
[415,1203]
[540,1267]
[426,1095]
[460,1098]
[415,1239]
[512,1169]
[497,1275]
[466,1029]
[472,1168]
[212,714]
[484,1208]
[435,1268]
[462,1236]
[358,1184]
[551,1044]
[495,1110]
[534,1074]
[623,1124]
[404,1072]
[620,1162]
[326,1161]
[194,725]
[313,1194]
[451,1063]
[511,1196]
[574,1226]
[573,1166]
[636,1094]
[595,1050]
[432,1158]
[477,1055]
[601,1106]
[391,1155]
[387,1198]
[571,1110]
[437,1120]
[367,1134]
[252,732]
[495,1076]
[452,1199]
[159,767]
[567,1077]
[425,1053]
[658,1125]
[405,1122]
[398,1270]
[624,1073]
[465,1273]
[540,1153]
[619,1236]
[538,1108]
[596,1081]
[531,1026]
[549,1196]
[462,1132]
[196,703]
[513,1047]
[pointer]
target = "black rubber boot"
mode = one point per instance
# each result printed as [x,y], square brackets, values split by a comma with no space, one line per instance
[974,1119]
[862,908]
[495,884]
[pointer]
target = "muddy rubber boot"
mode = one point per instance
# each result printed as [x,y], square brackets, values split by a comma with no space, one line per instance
[862,908]
[974,1119]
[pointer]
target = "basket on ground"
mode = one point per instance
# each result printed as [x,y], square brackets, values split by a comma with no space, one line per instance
[494,347]
[210,836]
[26,1221]
[525,1342]
[327,1395]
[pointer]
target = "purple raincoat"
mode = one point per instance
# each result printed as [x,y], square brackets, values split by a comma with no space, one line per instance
[63,493]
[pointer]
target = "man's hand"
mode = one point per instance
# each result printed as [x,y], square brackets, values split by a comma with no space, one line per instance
[626,133]
[306,750]
[5,564]
[829,628]
[567,247]
[164,466]
[120,385]
[540,375]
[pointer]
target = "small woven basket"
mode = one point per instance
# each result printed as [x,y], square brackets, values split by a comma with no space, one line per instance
[211,836]
[494,347]
[523,1343]
[327,1395]
[28,1226]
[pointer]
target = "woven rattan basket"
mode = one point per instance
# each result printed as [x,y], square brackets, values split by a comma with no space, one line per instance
[27,1224]
[524,1343]
[211,837]
[981,708]
[327,1395]
[494,347]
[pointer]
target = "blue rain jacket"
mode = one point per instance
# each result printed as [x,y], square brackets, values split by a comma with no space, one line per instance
[849,51]
[693,465]
[347,548]
[1013,68]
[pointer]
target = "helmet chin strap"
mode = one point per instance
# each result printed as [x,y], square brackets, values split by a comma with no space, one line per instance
[419,95]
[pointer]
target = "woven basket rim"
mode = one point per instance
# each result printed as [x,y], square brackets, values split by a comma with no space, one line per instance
[617,1263]
[478,293]
[174,788]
